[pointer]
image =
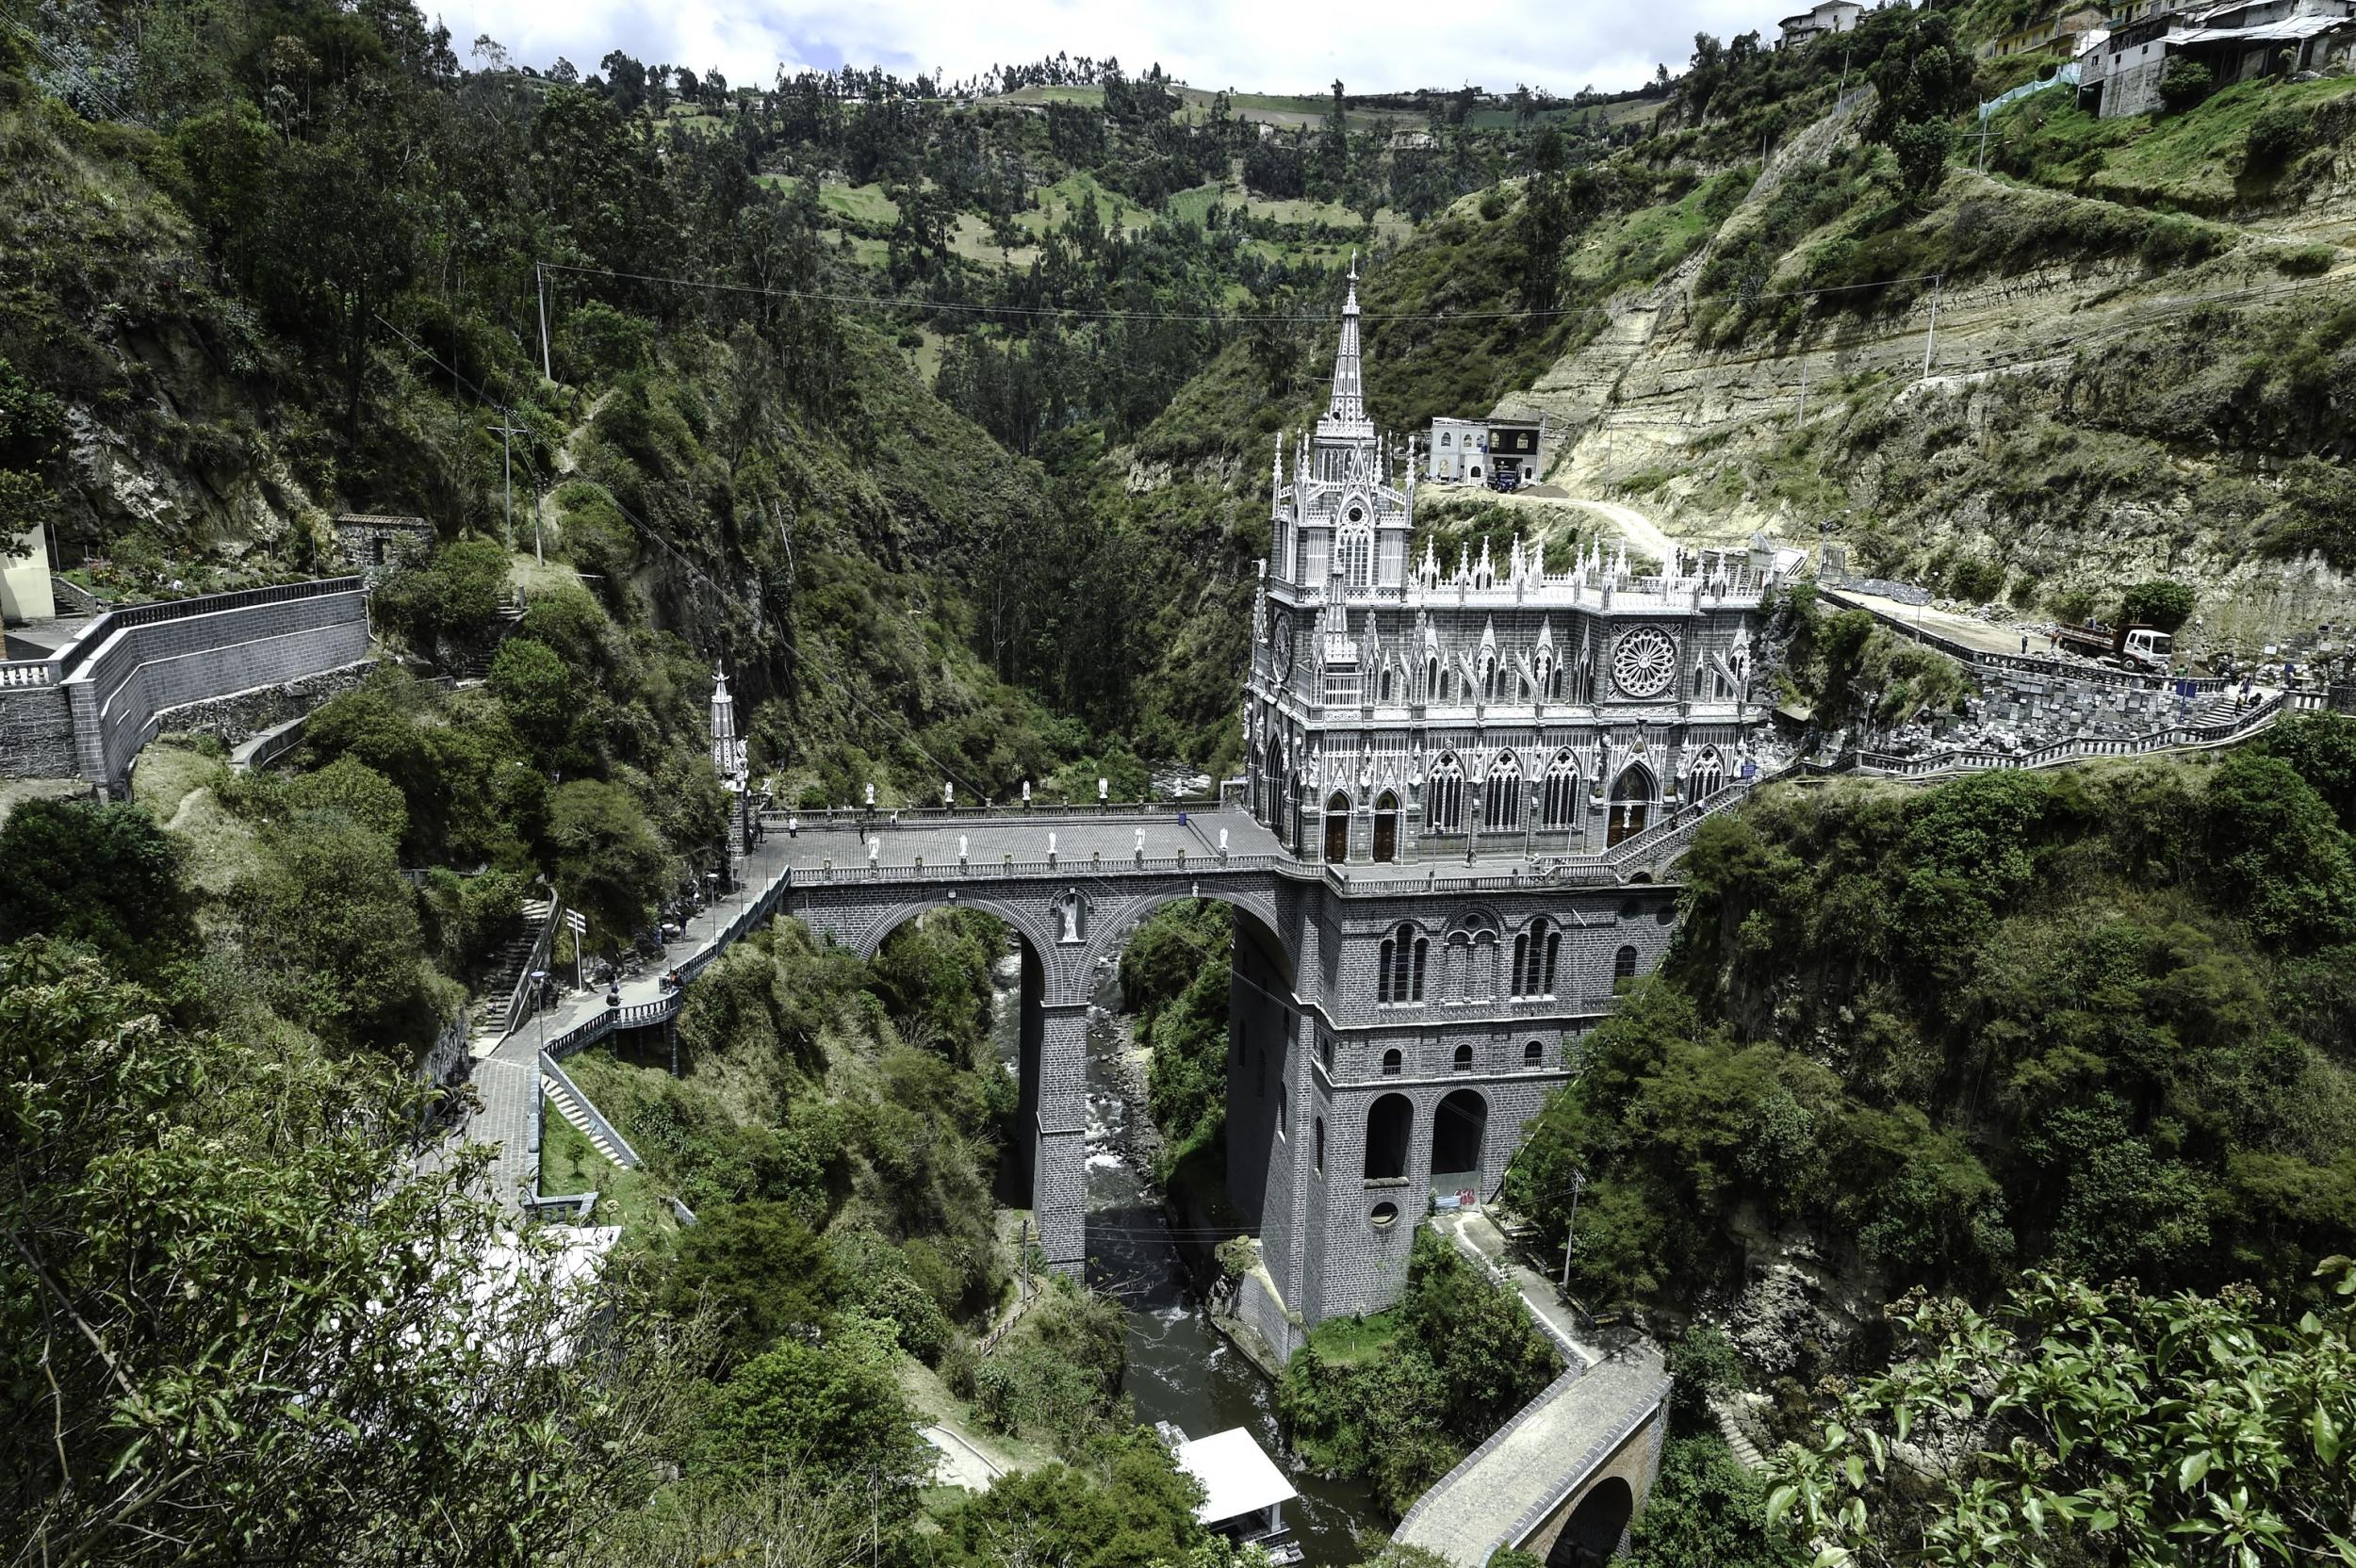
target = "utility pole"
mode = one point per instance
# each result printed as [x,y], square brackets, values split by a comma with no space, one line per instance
[1579,1184]
[540,283]
[507,433]
[1803,419]
[1931,336]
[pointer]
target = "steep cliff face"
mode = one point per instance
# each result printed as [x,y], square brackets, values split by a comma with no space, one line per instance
[173,437]
[2111,393]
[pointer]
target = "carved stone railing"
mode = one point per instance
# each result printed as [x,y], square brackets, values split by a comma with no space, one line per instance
[2182,737]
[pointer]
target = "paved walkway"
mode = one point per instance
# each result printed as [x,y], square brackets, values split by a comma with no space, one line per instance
[1509,1485]
[759,872]
[960,1463]
[507,1072]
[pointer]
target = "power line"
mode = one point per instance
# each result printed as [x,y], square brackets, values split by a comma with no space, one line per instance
[884,302]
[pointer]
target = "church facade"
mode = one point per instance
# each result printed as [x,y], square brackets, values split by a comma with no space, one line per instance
[1401,709]
[1395,1016]
[1401,714]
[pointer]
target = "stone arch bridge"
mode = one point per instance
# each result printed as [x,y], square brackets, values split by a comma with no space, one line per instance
[1391,1027]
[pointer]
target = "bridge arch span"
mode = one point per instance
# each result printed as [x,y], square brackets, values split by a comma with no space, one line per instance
[1026,921]
[1118,918]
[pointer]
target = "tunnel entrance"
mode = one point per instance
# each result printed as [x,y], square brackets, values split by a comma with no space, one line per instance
[1594,1531]
[1390,1130]
[1459,1131]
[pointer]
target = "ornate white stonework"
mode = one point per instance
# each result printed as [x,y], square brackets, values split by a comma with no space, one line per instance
[1376,669]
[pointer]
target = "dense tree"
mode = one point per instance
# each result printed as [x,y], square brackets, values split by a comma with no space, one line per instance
[2048,1020]
[331,931]
[84,872]
[1126,1504]
[242,1325]
[2159,601]
[833,1409]
[758,1270]
[2080,1424]
[1450,1363]
[1921,78]
[609,861]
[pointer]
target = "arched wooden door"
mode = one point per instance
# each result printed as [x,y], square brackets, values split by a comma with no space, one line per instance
[1337,829]
[1386,827]
[1631,803]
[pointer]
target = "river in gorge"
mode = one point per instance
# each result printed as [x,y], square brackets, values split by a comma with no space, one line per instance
[1182,1369]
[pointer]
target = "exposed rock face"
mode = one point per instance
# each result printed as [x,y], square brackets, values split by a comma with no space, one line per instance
[1795,1314]
[2011,452]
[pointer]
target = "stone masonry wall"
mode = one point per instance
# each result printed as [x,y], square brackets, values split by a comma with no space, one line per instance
[140,671]
[35,733]
[243,715]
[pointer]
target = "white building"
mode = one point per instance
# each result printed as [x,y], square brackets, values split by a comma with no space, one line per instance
[1832,16]
[1459,451]
[1243,1492]
[2236,42]
[24,593]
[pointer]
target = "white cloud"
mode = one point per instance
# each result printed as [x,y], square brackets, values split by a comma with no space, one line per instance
[1251,44]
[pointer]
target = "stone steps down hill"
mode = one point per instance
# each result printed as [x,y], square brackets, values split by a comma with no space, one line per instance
[574,1107]
[1746,1453]
[498,986]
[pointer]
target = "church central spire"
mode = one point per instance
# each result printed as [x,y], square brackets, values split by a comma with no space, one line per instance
[1349,393]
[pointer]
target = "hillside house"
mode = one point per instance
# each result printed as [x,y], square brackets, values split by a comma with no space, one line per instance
[1819,21]
[2236,42]
[1475,451]
[1516,450]
[24,592]
[2059,30]
[1459,451]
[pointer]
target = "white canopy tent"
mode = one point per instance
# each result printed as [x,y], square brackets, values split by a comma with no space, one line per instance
[1241,1485]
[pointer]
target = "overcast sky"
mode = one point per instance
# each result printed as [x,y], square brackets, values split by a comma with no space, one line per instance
[1256,45]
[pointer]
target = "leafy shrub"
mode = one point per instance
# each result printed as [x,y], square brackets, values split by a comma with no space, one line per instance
[2185,82]
[2275,136]
[2158,602]
[757,1268]
[1444,1369]
[2307,261]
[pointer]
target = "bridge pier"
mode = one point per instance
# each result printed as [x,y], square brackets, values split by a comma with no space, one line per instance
[1055,1078]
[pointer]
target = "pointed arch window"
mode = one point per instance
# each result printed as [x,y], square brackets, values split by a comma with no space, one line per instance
[1501,802]
[1431,679]
[1558,804]
[1400,975]
[1355,564]
[1536,951]
[1708,776]
[1444,795]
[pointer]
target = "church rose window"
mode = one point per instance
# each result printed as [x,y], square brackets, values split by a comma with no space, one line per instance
[1644,662]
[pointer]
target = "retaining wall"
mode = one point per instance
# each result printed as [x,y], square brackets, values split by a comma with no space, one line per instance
[86,711]
[37,733]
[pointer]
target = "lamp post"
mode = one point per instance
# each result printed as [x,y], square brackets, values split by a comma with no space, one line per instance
[1579,1184]
[539,983]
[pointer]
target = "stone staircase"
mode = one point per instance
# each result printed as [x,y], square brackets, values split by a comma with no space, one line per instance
[472,661]
[574,1106]
[491,1020]
[1746,1453]
[2220,708]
